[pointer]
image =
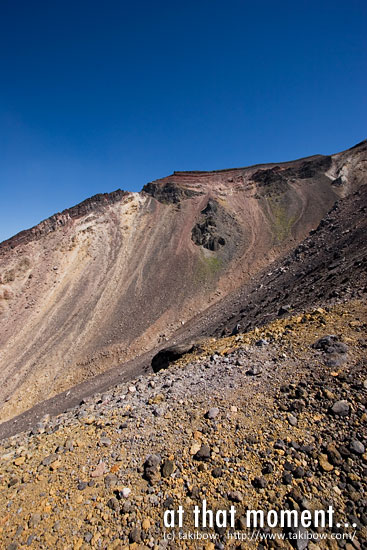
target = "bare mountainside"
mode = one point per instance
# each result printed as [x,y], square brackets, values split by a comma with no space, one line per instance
[118,275]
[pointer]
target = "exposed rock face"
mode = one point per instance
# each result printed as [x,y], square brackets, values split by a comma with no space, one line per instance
[206,232]
[122,273]
[169,192]
[93,204]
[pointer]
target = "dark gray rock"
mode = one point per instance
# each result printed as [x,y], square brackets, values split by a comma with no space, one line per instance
[49,460]
[166,356]
[259,482]
[203,453]
[254,371]
[152,468]
[235,496]
[212,413]
[341,408]
[357,447]
[135,535]
[261,343]
[330,344]
[113,503]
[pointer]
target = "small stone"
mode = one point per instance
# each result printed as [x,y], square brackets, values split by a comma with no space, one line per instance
[19,461]
[300,540]
[212,413]
[357,447]
[69,445]
[48,460]
[13,481]
[126,507]
[55,465]
[56,526]
[168,467]
[194,448]
[235,496]
[146,524]
[259,482]
[113,503]
[328,394]
[289,466]
[82,485]
[203,453]
[287,478]
[105,441]
[261,342]
[284,309]
[299,472]
[34,520]
[254,371]
[217,472]
[100,470]
[151,468]
[268,468]
[126,491]
[341,408]
[110,480]
[135,535]
[292,419]
[325,464]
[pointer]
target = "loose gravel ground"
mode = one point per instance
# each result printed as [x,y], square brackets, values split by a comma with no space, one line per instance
[273,419]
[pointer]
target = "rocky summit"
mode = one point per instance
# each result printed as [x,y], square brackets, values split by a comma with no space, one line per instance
[203,340]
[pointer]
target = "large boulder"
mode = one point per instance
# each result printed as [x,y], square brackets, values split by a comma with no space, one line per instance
[166,356]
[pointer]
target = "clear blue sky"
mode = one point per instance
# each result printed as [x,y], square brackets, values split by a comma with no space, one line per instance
[100,95]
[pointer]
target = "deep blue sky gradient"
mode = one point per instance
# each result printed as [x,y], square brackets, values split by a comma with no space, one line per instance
[99,95]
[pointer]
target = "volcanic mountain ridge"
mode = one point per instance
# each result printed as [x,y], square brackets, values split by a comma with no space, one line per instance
[115,278]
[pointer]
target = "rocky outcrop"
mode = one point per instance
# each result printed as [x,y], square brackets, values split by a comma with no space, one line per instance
[314,167]
[206,233]
[93,204]
[169,193]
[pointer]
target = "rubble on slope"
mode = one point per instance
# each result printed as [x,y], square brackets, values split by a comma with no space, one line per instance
[293,436]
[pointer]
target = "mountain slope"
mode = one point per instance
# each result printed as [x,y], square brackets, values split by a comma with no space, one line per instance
[112,278]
